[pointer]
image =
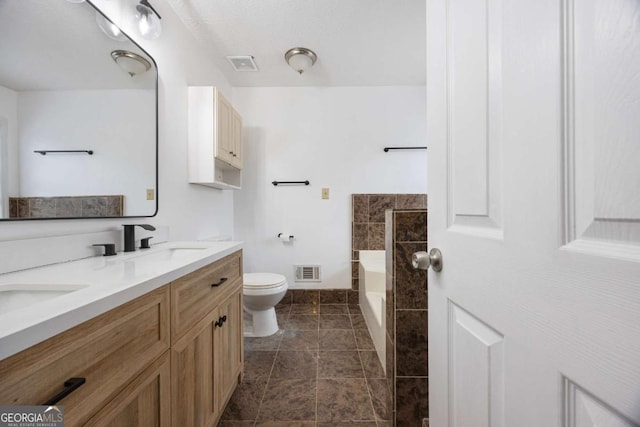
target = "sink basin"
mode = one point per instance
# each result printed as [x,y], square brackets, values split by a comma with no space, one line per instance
[16,296]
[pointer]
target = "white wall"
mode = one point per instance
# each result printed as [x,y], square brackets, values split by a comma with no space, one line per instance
[8,146]
[333,137]
[121,139]
[190,211]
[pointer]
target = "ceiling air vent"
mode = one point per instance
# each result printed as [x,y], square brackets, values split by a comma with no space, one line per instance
[307,273]
[243,63]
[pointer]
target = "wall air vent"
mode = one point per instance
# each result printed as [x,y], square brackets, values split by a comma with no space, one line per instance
[243,63]
[307,273]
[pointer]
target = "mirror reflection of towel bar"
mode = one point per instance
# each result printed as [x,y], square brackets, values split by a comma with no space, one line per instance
[44,152]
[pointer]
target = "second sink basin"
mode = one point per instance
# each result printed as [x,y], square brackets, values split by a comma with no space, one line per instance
[16,296]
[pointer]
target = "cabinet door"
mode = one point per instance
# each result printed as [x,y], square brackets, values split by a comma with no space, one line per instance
[236,132]
[145,402]
[228,348]
[192,386]
[224,138]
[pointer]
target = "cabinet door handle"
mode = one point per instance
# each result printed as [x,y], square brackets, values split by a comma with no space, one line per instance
[220,321]
[215,285]
[70,386]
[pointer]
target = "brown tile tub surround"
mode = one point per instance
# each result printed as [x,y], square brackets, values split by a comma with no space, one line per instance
[66,207]
[407,340]
[368,223]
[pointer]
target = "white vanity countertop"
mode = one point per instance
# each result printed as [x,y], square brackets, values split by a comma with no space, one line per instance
[109,281]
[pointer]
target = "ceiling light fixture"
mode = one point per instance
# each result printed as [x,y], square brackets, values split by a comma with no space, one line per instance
[130,62]
[300,58]
[148,20]
[109,28]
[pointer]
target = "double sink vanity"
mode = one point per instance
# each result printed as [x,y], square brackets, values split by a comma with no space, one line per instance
[150,337]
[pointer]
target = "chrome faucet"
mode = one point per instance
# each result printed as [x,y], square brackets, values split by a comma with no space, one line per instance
[130,235]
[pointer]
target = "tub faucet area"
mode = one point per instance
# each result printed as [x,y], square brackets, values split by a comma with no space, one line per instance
[130,235]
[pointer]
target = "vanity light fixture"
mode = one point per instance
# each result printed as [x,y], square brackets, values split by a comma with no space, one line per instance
[148,20]
[300,58]
[109,28]
[130,62]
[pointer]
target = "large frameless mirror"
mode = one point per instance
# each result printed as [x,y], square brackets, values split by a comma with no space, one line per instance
[78,115]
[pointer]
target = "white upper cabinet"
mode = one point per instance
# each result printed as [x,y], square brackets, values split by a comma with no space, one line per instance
[215,139]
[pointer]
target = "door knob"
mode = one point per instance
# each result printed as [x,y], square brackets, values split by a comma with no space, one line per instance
[422,260]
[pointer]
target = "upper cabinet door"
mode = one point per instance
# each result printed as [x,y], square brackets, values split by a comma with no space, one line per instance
[236,136]
[224,140]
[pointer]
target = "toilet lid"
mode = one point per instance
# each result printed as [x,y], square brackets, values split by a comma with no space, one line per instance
[263,280]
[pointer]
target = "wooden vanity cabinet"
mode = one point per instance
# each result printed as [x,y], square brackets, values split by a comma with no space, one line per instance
[195,295]
[134,377]
[207,359]
[109,351]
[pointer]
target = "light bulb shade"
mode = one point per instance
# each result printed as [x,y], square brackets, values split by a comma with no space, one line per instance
[130,62]
[148,22]
[300,59]
[109,28]
[300,63]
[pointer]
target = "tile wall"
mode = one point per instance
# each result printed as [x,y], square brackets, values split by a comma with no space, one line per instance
[322,296]
[398,223]
[406,310]
[368,222]
[66,207]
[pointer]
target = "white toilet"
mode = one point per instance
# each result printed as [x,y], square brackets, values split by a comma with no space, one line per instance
[261,293]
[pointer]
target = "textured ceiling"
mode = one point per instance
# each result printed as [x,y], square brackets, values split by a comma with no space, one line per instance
[358,42]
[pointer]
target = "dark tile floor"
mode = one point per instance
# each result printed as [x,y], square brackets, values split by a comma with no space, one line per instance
[319,370]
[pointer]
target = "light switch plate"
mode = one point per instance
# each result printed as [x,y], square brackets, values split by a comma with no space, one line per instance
[325,193]
[150,194]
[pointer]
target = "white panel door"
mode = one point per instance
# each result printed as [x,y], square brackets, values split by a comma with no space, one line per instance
[533,126]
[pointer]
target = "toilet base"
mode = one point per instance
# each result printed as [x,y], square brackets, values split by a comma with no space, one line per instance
[264,323]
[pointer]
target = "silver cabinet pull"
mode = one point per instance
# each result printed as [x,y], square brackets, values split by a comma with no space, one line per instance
[422,260]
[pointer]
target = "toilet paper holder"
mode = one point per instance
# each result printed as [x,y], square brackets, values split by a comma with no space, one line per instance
[280,235]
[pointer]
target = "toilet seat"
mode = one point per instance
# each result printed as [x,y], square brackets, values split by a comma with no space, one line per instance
[263,280]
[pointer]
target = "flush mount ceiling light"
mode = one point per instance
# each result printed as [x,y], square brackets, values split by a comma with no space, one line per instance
[148,20]
[300,58]
[130,62]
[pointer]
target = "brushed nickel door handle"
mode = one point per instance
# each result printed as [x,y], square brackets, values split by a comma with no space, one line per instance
[422,260]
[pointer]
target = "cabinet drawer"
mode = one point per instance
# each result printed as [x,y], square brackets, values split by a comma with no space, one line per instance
[108,351]
[195,295]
